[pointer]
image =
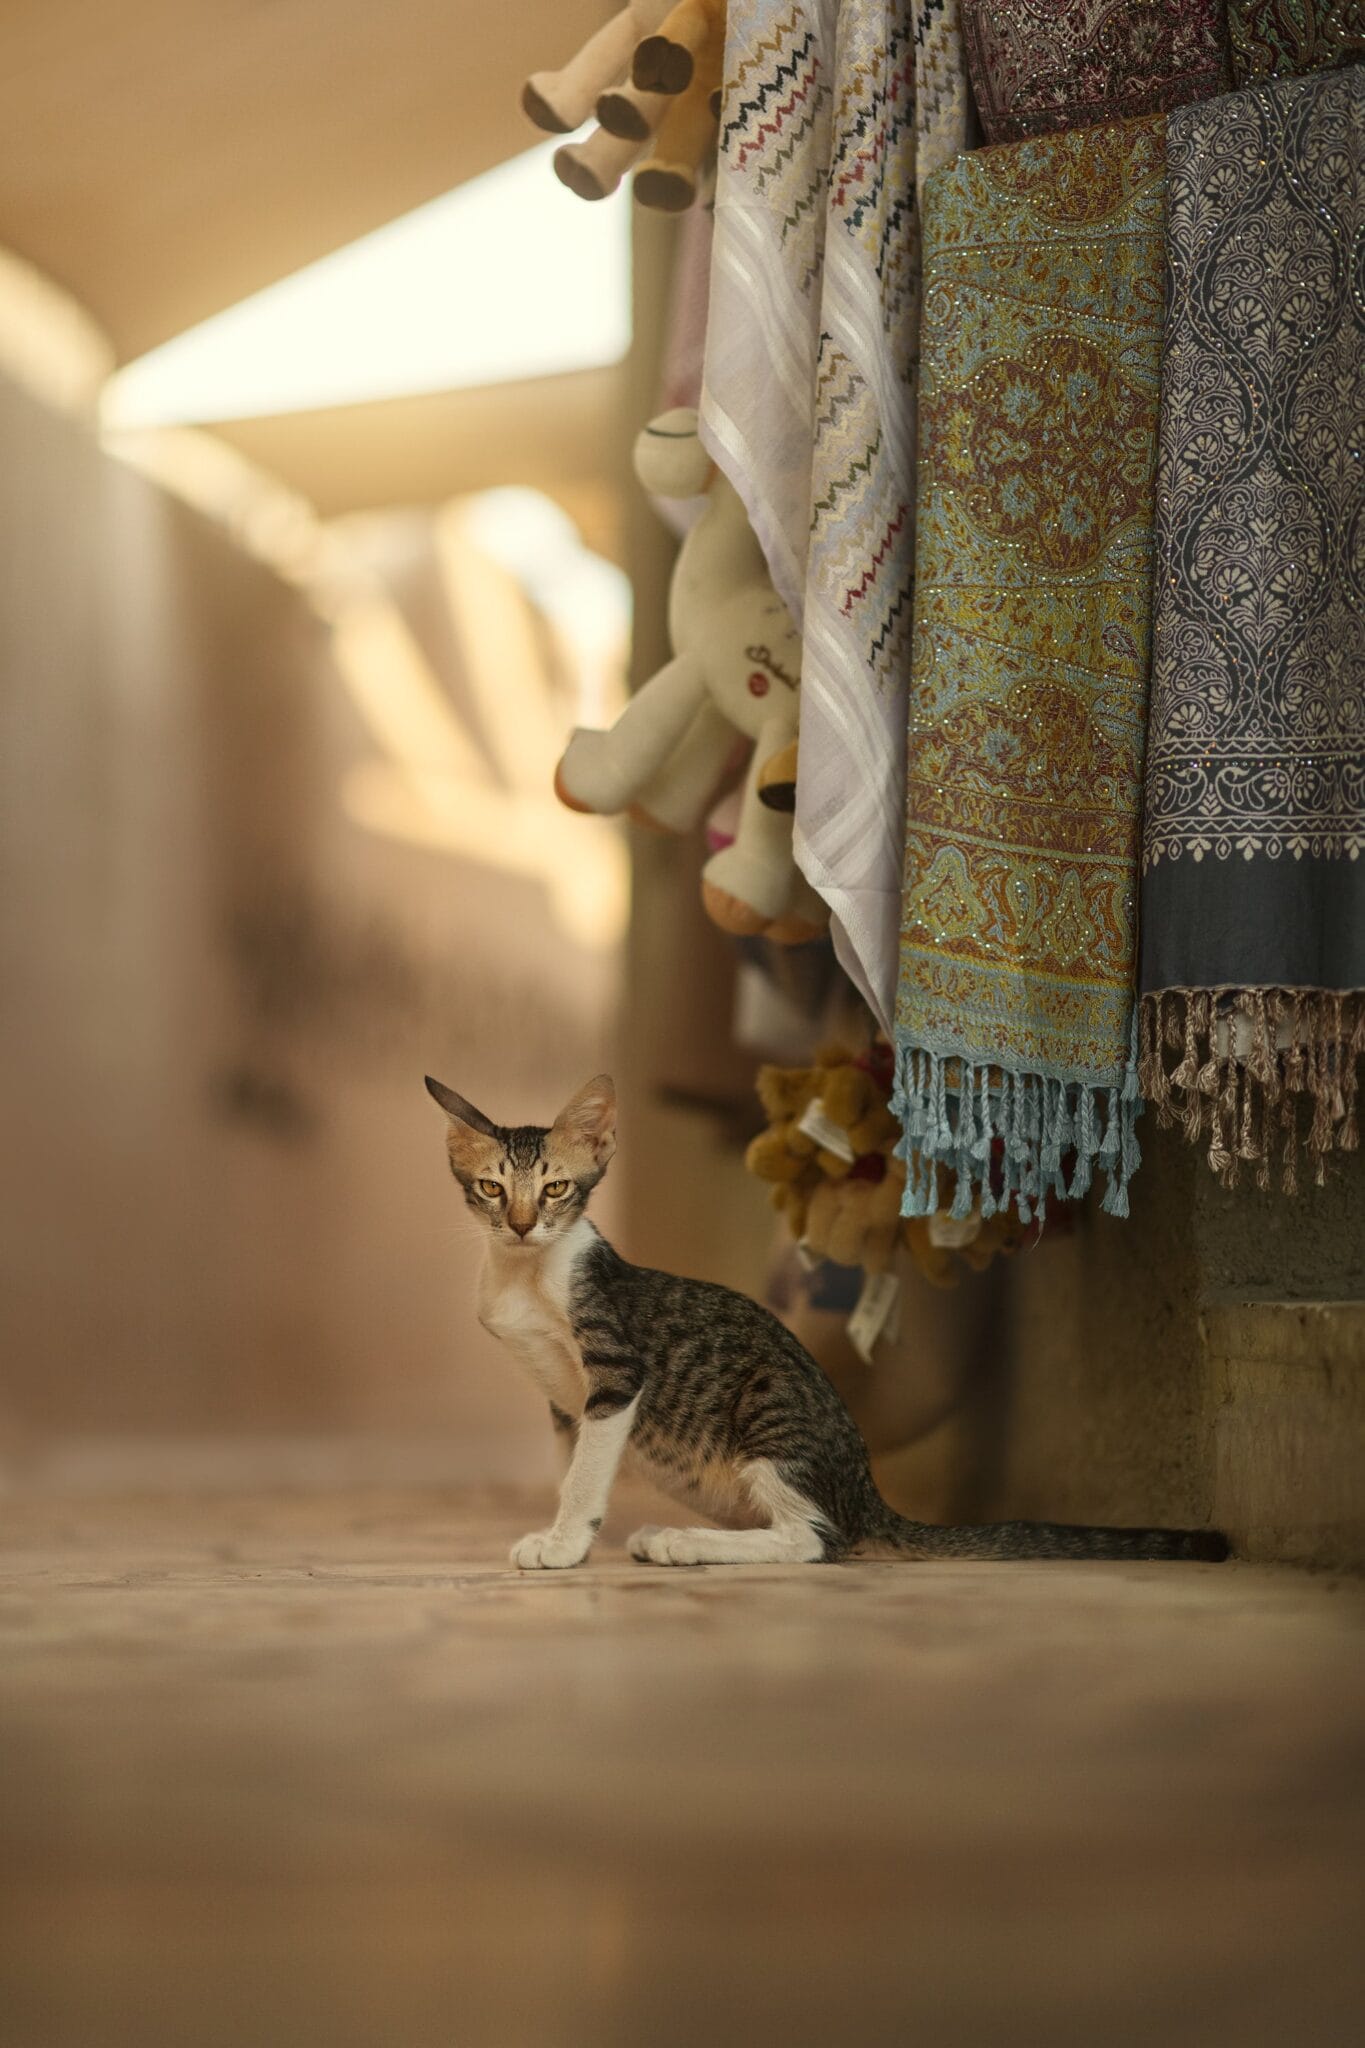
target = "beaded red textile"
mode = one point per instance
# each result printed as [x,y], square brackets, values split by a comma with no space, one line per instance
[1037,66]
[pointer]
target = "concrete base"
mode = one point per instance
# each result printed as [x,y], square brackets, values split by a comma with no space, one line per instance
[1287,1388]
[1199,1363]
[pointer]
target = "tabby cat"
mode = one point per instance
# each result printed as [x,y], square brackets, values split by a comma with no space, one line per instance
[712,1398]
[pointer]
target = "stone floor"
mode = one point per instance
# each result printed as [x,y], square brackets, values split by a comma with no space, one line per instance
[317,1768]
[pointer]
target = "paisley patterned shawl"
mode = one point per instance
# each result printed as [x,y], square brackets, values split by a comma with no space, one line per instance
[1253,894]
[809,396]
[1283,38]
[1040,348]
[1038,66]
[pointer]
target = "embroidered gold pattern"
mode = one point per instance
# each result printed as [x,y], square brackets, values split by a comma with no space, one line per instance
[1040,349]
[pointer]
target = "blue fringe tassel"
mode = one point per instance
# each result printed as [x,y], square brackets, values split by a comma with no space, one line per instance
[1039,1122]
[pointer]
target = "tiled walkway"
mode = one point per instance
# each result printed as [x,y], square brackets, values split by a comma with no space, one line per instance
[319,1769]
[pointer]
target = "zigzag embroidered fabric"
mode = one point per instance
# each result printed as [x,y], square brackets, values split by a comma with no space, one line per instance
[1253,956]
[1040,346]
[810,391]
[943,122]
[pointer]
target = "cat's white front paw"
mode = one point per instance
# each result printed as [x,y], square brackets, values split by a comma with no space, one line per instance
[667,1546]
[547,1550]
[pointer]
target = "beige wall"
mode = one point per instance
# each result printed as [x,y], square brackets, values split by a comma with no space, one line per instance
[224,1204]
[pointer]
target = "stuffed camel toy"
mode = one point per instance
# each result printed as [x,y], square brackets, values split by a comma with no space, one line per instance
[734,675]
[843,1201]
[652,73]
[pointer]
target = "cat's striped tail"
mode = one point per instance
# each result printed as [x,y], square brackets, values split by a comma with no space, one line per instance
[898,1537]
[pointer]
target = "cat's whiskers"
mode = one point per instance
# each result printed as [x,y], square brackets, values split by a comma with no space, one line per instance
[722,1406]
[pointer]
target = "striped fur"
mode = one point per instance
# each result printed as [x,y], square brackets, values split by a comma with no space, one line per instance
[695,1385]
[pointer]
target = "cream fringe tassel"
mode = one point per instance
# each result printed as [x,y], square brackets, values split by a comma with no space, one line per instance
[1248,1057]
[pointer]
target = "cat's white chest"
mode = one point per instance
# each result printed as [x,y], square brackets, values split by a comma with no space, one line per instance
[523,1301]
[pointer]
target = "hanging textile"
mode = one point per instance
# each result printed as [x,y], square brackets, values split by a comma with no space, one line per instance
[1040,346]
[942,99]
[685,334]
[1284,38]
[1037,66]
[1253,895]
[809,401]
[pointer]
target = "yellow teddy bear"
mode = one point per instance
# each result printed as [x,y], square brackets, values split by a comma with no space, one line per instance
[828,1156]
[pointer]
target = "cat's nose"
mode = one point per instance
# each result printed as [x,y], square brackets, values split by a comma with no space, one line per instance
[520,1227]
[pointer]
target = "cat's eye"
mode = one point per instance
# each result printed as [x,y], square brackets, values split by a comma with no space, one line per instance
[490,1187]
[556,1187]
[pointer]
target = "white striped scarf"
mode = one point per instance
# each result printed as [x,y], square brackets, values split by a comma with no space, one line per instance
[808,402]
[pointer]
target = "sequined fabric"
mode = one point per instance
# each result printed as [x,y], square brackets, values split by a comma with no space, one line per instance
[1286,38]
[1253,897]
[1040,344]
[1038,66]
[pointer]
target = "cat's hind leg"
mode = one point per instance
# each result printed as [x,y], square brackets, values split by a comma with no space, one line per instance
[794,1533]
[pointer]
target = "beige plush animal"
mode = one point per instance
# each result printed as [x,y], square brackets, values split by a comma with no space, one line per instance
[735,671]
[560,101]
[841,1195]
[652,72]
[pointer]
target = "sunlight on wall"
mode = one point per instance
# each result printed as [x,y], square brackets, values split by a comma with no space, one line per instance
[490,799]
[261,514]
[482,286]
[585,598]
[49,345]
[542,627]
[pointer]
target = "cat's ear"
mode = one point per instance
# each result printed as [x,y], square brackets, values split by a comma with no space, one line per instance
[455,1106]
[467,1134]
[588,1120]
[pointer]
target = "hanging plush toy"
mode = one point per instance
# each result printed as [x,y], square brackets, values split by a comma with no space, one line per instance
[733,677]
[777,779]
[829,1154]
[652,76]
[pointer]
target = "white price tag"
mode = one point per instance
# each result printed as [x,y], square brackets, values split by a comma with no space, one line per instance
[891,1328]
[830,1136]
[872,1318]
[950,1233]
